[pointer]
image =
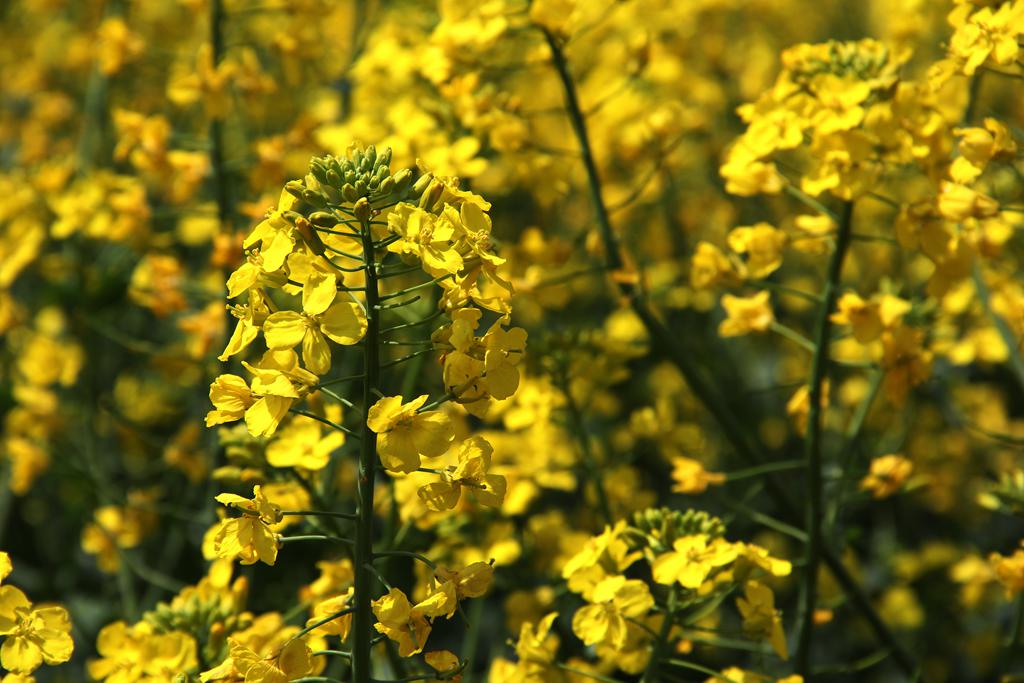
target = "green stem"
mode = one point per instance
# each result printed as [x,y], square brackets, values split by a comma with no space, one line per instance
[814,509]
[792,335]
[586,674]
[220,178]
[1011,342]
[590,464]
[321,513]
[613,257]
[661,644]
[768,468]
[406,553]
[362,623]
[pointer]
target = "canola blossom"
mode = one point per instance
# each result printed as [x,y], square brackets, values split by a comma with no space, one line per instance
[518,341]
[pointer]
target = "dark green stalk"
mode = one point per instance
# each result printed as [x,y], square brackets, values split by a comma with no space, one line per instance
[661,644]
[362,621]
[814,509]
[590,465]
[220,179]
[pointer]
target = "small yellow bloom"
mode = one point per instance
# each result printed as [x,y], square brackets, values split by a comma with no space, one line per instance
[248,537]
[445,663]
[1009,569]
[615,599]
[760,618]
[690,476]
[471,472]
[746,314]
[401,622]
[762,244]
[692,560]
[301,444]
[404,434]
[338,626]
[887,475]
[33,634]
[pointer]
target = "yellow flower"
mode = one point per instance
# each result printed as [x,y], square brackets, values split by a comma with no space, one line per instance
[615,599]
[470,582]
[343,322]
[445,663]
[977,147]
[135,653]
[301,445]
[338,626]
[869,319]
[471,472]
[691,477]
[429,238]
[692,560]
[401,622]
[905,361]
[986,34]
[33,634]
[537,646]
[278,383]
[760,618]
[248,537]
[504,351]
[959,202]
[746,314]
[710,266]
[404,434]
[295,660]
[1009,569]
[762,244]
[887,475]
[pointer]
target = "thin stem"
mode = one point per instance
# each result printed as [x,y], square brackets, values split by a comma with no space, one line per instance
[814,511]
[380,577]
[362,625]
[702,669]
[661,644]
[400,304]
[783,466]
[320,513]
[804,198]
[1011,342]
[338,380]
[220,177]
[590,465]
[586,674]
[792,335]
[326,620]
[340,399]
[613,257]
[405,553]
[405,358]
[422,285]
[324,420]
[315,537]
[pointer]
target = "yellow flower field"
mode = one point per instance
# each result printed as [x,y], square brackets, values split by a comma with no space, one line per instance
[511,341]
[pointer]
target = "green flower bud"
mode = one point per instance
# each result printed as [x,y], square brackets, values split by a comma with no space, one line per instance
[323,219]
[421,184]
[349,193]
[431,195]
[362,210]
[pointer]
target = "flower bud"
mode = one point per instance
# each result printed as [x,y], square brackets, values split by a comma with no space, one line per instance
[362,210]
